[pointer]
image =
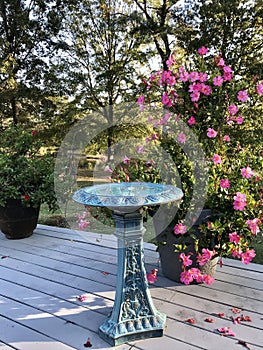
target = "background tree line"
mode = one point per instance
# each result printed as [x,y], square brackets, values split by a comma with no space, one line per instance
[62,59]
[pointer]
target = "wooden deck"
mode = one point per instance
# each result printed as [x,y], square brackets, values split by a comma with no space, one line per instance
[42,276]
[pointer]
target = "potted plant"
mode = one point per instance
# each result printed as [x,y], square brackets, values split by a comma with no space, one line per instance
[26,177]
[200,95]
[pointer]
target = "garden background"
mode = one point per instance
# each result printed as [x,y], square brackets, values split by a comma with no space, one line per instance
[61,60]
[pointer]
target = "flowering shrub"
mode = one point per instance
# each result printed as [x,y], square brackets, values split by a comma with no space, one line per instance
[25,173]
[220,108]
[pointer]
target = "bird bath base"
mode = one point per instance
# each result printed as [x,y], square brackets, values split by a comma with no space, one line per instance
[133,316]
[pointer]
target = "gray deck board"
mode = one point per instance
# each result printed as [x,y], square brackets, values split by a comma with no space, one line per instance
[42,276]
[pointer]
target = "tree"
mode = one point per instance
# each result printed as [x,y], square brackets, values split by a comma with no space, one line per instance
[233,27]
[27,29]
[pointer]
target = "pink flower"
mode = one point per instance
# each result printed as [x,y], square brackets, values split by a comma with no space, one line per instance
[170,61]
[227,138]
[202,77]
[227,69]
[218,81]
[211,133]
[140,149]
[227,76]
[193,76]
[232,109]
[242,95]
[206,89]
[107,169]
[221,62]
[195,96]
[202,51]
[237,252]
[226,331]
[126,160]
[217,159]
[253,225]
[224,183]
[184,76]
[83,224]
[83,216]
[203,258]
[186,277]
[166,100]
[247,172]
[248,256]
[238,205]
[197,275]
[208,279]
[181,137]
[185,259]
[152,277]
[234,238]
[259,88]
[191,120]
[239,119]
[140,100]
[239,201]
[241,197]
[179,229]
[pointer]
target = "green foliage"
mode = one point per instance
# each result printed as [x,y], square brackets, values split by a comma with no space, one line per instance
[25,173]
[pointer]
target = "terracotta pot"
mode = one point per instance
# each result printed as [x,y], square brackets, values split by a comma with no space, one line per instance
[17,221]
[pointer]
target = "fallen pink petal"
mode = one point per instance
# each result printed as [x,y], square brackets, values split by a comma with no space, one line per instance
[209,320]
[105,273]
[81,298]
[152,277]
[226,331]
[190,320]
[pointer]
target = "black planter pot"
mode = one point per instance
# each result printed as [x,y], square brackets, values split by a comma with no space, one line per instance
[171,266]
[17,221]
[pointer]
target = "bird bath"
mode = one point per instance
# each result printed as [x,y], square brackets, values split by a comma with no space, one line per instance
[134,315]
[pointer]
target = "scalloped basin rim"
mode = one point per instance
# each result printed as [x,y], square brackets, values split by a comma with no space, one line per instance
[127,194]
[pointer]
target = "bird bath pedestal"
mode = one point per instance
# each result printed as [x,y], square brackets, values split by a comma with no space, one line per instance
[134,315]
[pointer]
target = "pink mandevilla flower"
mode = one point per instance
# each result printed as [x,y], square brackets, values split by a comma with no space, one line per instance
[185,259]
[242,95]
[208,279]
[211,133]
[234,238]
[224,183]
[247,172]
[179,229]
[239,201]
[248,256]
[186,277]
[227,138]
[253,225]
[217,159]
